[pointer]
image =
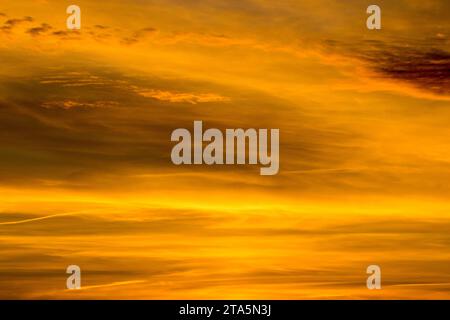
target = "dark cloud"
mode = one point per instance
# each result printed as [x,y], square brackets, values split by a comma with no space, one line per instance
[61,33]
[423,64]
[11,23]
[138,35]
[67,35]
[428,70]
[14,22]
[76,108]
[97,32]
[111,127]
[72,34]
[38,30]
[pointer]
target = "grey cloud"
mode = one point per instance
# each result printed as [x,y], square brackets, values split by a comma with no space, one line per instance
[424,64]
[43,28]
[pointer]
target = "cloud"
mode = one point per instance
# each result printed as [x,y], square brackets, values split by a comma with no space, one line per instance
[139,35]
[99,26]
[64,35]
[38,30]
[33,219]
[424,65]
[14,22]
[427,69]
[113,284]
[175,97]
[184,252]
[86,176]
[70,104]
[11,23]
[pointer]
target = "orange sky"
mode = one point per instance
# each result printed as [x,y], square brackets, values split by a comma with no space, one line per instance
[86,175]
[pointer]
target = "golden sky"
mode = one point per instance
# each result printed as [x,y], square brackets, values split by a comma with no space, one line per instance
[86,176]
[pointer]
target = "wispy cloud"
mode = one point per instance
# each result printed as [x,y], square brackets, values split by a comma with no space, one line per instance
[86,176]
[191,98]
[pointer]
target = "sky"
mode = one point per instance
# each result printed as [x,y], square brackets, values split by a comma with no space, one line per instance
[86,176]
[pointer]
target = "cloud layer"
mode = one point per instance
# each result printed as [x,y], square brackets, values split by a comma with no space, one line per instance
[85,170]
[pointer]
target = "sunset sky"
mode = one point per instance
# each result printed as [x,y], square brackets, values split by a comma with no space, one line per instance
[85,171]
